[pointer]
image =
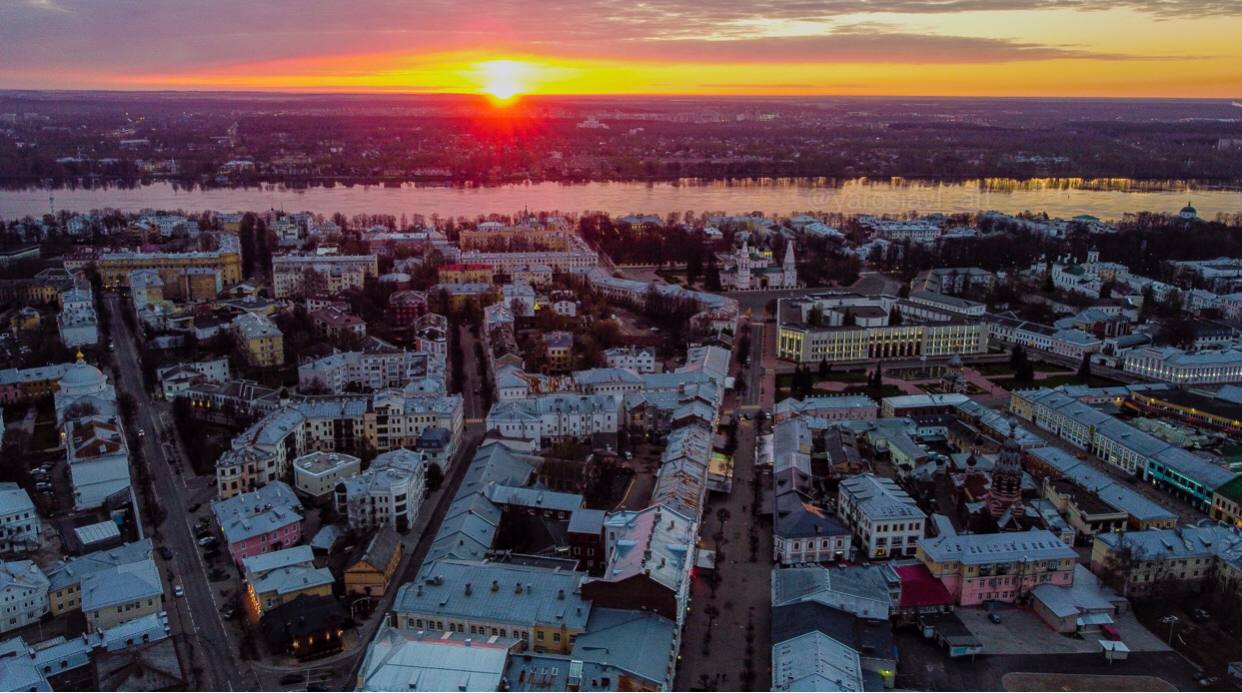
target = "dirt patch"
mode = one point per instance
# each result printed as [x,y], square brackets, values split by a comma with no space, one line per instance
[1020,681]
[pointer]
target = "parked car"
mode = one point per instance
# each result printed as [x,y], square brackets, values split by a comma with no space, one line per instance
[1200,616]
[179,591]
[289,679]
[994,617]
[207,541]
[166,553]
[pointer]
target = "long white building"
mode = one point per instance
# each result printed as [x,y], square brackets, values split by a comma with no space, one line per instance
[366,370]
[556,417]
[1172,365]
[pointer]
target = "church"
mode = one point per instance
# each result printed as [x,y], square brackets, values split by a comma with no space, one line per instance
[750,271]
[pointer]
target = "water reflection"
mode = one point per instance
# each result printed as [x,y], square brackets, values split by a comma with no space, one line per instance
[1108,198]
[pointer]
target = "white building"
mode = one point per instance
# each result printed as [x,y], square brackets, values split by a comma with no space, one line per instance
[556,417]
[748,270]
[98,459]
[519,298]
[368,371]
[77,322]
[85,385]
[431,331]
[388,494]
[326,274]
[19,523]
[23,594]
[317,474]
[635,358]
[1172,365]
[885,520]
[177,379]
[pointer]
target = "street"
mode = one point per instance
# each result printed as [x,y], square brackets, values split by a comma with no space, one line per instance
[726,641]
[195,618]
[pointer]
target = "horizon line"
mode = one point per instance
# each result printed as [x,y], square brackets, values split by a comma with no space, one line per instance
[611,95]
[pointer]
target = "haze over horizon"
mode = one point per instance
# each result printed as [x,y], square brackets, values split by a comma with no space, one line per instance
[1058,48]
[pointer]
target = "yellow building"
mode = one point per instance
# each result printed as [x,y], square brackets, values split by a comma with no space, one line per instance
[32,291]
[277,577]
[471,273]
[505,238]
[262,344]
[116,594]
[560,348]
[1227,503]
[372,572]
[25,319]
[114,268]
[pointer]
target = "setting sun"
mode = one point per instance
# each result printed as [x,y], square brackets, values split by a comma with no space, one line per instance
[502,79]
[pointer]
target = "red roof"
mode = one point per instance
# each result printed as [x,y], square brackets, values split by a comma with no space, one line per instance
[920,588]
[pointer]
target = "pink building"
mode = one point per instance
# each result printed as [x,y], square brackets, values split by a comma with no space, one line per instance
[261,521]
[975,568]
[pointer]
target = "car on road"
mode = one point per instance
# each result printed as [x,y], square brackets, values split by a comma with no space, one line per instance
[142,433]
[289,679]
[179,591]
[194,508]
[994,617]
[1200,616]
[166,553]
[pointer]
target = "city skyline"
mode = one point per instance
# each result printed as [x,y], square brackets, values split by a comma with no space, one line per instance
[1172,48]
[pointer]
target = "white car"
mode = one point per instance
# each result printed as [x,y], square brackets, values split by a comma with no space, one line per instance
[179,591]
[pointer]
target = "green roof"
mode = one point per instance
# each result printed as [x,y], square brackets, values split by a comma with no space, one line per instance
[1232,490]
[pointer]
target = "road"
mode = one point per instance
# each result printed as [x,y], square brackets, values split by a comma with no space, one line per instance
[195,616]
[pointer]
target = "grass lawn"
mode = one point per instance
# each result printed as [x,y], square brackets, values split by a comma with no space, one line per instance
[990,369]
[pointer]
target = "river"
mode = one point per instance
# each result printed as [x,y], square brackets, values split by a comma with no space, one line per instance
[1060,198]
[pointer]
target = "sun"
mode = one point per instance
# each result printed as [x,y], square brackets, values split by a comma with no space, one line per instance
[502,79]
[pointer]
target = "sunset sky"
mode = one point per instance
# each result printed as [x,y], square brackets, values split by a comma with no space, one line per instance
[1171,48]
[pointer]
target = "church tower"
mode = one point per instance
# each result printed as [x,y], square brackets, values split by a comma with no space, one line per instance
[743,266]
[789,266]
[1006,490]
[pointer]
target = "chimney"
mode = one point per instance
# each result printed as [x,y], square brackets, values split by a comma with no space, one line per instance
[467,589]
